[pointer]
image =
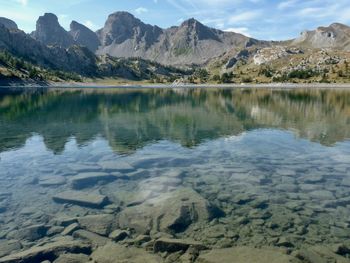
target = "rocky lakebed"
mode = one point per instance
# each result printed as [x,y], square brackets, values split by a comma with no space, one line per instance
[118,191]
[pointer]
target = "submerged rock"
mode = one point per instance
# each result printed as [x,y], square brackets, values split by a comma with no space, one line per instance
[170,212]
[174,245]
[118,235]
[84,180]
[9,246]
[72,258]
[99,224]
[47,252]
[52,180]
[320,254]
[81,198]
[91,238]
[246,255]
[30,233]
[112,253]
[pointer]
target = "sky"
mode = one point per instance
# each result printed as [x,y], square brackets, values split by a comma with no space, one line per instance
[261,19]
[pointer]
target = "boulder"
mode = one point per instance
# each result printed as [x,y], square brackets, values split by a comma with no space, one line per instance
[102,224]
[47,252]
[84,180]
[114,253]
[91,200]
[170,212]
[245,255]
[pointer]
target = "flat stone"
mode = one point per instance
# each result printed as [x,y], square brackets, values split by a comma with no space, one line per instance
[174,245]
[312,179]
[84,180]
[48,181]
[47,252]
[320,254]
[72,258]
[30,233]
[322,195]
[70,229]
[90,237]
[118,235]
[82,199]
[9,246]
[64,221]
[84,168]
[114,253]
[121,166]
[346,182]
[101,224]
[54,230]
[245,255]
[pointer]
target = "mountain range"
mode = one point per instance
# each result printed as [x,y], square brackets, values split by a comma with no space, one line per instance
[191,44]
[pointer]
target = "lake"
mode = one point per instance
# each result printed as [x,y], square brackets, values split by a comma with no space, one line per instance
[214,169]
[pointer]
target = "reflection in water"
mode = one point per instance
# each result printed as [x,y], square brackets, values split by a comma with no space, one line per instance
[222,167]
[130,119]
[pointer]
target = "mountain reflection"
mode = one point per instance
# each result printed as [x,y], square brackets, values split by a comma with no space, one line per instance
[129,119]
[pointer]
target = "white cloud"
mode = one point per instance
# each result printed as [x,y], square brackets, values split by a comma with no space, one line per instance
[240,30]
[141,10]
[287,4]
[23,2]
[244,17]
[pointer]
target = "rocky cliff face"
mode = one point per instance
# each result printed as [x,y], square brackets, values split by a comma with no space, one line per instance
[191,43]
[49,32]
[335,36]
[9,24]
[84,36]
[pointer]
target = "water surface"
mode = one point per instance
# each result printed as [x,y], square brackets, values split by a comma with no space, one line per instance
[275,163]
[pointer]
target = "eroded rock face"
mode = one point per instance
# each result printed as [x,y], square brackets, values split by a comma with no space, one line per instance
[170,212]
[244,255]
[49,32]
[84,36]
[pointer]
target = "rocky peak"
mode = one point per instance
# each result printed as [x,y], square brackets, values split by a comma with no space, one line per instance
[49,32]
[198,30]
[9,24]
[84,36]
[122,26]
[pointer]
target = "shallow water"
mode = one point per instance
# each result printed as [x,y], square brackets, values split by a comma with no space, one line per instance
[275,164]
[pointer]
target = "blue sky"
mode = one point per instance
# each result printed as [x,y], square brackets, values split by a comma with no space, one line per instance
[262,19]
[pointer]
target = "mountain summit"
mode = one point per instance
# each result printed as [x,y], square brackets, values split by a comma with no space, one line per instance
[49,32]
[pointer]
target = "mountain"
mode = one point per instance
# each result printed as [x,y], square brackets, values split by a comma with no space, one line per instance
[49,32]
[336,36]
[84,36]
[9,24]
[190,43]
[74,59]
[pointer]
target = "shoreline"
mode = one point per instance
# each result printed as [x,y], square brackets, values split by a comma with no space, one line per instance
[171,86]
